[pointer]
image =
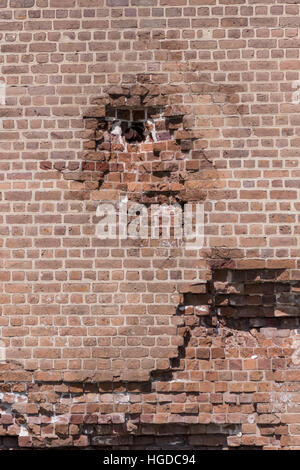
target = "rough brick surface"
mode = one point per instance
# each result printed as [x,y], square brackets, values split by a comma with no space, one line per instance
[138,343]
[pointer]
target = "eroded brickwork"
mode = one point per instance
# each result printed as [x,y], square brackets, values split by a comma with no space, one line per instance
[143,343]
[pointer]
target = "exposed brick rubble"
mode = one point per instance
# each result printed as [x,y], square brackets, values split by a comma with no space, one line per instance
[246,294]
[157,165]
[233,385]
[142,343]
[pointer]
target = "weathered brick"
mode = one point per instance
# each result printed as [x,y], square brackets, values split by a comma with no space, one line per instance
[142,342]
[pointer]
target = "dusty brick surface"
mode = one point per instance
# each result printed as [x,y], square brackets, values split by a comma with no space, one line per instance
[141,343]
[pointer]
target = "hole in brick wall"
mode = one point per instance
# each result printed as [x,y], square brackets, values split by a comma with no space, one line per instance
[132,125]
[247,293]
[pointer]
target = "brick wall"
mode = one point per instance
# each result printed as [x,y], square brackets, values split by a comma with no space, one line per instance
[140,342]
